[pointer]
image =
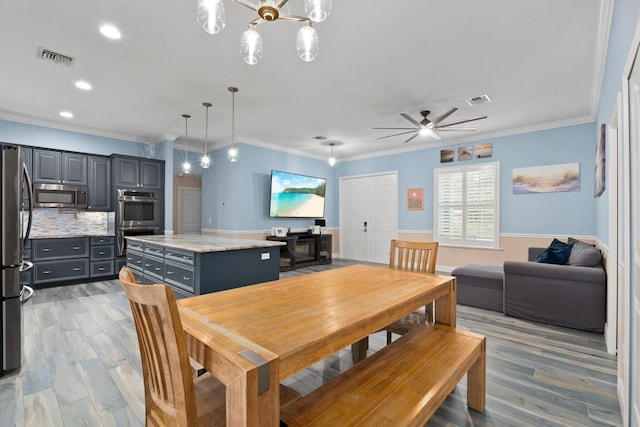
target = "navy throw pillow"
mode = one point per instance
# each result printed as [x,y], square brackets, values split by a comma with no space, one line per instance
[557,253]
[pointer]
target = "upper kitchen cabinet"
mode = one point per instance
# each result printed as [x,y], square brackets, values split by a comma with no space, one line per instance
[99,193]
[138,173]
[55,167]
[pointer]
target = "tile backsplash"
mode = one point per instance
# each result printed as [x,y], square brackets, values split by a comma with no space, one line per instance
[68,222]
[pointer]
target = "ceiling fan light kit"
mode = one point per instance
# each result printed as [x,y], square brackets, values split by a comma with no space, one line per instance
[211,16]
[427,127]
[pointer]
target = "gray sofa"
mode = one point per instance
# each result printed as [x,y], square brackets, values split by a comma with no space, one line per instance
[565,295]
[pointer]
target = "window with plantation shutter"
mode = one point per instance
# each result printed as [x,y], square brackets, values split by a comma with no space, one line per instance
[467,205]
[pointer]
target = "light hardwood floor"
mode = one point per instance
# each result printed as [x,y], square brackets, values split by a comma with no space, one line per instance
[82,367]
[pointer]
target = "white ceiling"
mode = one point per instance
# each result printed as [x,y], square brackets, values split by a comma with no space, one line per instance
[540,62]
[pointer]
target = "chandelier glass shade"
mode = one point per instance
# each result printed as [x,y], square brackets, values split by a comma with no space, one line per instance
[205,161]
[211,17]
[251,46]
[186,166]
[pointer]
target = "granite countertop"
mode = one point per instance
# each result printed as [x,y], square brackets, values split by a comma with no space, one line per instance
[203,243]
[68,236]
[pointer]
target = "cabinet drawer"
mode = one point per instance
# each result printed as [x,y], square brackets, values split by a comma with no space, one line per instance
[102,268]
[60,248]
[153,250]
[134,246]
[182,257]
[135,260]
[51,271]
[153,265]
[103,240]
[179,293]
[102,252]
[179,276]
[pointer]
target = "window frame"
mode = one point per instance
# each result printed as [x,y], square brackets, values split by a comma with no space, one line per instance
[464,241]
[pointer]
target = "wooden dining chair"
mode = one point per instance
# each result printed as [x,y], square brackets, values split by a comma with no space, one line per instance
[421,258]
[172,396]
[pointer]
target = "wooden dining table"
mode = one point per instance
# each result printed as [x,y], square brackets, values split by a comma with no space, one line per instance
[252,338]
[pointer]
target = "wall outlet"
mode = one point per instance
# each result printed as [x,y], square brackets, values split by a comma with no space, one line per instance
[265,256]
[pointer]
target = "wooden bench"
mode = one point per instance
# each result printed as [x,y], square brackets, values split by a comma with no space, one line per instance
[403,384]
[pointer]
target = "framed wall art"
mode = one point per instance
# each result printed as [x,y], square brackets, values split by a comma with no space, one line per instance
[415,199]
[601,163]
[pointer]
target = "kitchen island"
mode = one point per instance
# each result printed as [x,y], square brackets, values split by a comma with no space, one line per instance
[195,264]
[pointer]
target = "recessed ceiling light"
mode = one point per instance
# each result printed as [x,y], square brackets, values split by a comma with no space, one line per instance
[81,84]
[110,31]
[66,114]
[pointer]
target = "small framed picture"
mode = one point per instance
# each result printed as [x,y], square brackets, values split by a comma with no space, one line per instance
[484,150]
[415,199]
[446,156]
[465,153]
[281,231]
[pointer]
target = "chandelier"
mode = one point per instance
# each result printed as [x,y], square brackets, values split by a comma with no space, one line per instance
[212,18]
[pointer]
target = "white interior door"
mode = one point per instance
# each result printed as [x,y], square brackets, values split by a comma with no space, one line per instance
[634,218]
[190,212]
[368,216]
[614,141]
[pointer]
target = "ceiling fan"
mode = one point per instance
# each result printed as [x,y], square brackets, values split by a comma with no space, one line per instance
[429,127]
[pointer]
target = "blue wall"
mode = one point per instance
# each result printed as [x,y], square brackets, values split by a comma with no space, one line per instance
[235,196]
[570,213]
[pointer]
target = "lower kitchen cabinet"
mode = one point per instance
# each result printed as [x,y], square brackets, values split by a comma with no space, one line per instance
[70,260]
[54,271]
[195,273]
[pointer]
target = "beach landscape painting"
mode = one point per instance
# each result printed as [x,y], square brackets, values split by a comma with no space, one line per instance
[296,196]
[547,179]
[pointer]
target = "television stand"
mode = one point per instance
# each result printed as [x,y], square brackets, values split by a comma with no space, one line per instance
[304,249]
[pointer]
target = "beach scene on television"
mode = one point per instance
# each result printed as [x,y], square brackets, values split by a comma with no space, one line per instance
[297,196]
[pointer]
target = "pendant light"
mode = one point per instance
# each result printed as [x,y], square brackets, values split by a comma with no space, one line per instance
[211,17]
[186,166]
[232,155]
[205,161]
[332,160]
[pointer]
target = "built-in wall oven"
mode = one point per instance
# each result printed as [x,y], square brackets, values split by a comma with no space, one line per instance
[138,213]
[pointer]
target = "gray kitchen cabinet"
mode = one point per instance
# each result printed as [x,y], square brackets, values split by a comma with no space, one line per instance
[56,260]
[102,254]
[138,173]
[55,167]
[99,180]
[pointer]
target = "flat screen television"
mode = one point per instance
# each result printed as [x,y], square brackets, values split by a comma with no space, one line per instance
[296,196]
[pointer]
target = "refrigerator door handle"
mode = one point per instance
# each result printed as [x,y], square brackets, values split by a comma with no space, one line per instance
[26,293]
[27,180]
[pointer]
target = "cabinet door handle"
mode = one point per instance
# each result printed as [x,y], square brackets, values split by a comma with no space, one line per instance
[76,248]
[77,269]
[158,269]
[186,257]
[101,269]
[169,273]
[101,253]
[46,272]
[45,249]
[186,278]
[147,265]
[138,262]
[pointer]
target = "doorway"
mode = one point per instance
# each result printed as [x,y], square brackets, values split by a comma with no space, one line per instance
[368,216]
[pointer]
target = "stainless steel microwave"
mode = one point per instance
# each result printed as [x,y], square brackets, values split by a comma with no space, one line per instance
[59,196]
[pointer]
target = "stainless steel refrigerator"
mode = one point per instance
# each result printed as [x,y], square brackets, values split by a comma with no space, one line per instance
[14,178]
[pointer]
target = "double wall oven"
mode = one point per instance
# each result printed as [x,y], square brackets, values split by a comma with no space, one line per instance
[138,213]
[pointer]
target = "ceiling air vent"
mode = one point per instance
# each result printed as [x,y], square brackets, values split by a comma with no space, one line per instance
[56,57]
[482,99]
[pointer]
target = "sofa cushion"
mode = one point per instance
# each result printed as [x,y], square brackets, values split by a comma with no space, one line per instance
[557,253]
[584,254]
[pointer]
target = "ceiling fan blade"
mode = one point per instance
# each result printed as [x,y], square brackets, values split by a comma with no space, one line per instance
[443,116]
[411,119]
[462,121]
[397,134]
[397,128]
[414,136]
[455,129]
[436,135]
